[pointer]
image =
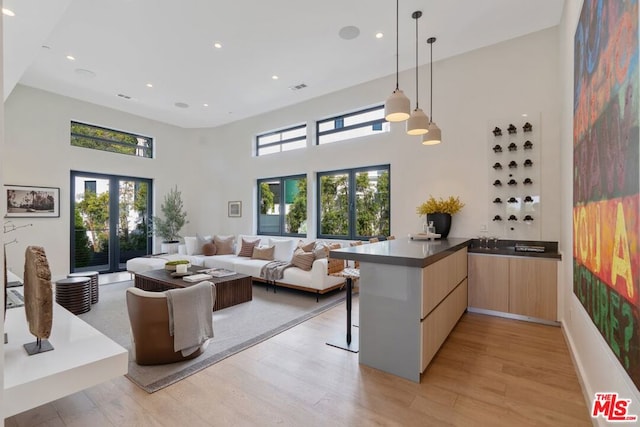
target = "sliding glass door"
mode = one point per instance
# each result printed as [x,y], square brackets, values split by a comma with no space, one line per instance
[110,221]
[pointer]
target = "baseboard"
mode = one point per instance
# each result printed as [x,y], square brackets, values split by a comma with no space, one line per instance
[587,389]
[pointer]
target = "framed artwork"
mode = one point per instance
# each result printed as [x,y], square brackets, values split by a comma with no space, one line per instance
[235,209]
[32,202]
[606,189]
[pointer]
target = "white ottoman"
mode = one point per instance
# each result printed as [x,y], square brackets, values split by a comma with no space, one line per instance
[138,265]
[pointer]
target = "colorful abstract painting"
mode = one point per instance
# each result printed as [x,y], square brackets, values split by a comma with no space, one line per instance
[606,181]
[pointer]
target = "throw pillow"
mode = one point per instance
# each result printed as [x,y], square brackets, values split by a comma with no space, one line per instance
[303,260]
[190,244]
[283,248]
[246,249]
[263,252]
[307,247]
[209,249]
[200,242]
[224,245]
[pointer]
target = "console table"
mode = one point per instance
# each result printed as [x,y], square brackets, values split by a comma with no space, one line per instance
[82,357]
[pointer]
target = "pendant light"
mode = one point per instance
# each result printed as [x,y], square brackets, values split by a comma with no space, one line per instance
[397,106]
[418,123]
[435,134]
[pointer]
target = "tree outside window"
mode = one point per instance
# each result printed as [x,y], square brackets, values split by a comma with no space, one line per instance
[354,204]
[282,206]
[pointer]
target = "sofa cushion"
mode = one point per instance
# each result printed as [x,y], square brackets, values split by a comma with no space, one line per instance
[224,245]
[321,250]
[263,252]
[209,249]
[195,244]
[303,260]
[246,250]
[248,266]
[283,248]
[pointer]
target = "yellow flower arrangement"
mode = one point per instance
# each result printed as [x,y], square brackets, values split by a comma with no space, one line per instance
[450,206]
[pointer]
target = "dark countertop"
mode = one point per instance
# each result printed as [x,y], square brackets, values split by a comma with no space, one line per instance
[410,253]
[507,248]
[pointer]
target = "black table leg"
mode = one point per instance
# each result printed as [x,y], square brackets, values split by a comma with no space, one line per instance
[351,343]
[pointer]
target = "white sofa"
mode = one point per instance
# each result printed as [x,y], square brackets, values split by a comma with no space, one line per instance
[316,280]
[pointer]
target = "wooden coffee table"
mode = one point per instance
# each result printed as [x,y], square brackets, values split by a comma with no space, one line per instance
[230,290]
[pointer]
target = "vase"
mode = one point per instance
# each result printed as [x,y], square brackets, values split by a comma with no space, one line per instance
[170,247]
[442,223]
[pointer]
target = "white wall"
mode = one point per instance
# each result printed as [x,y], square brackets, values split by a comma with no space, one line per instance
[38,153]
[214,166]
[499,81]
[598,367]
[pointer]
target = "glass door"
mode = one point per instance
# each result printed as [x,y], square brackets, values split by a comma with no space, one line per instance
[110,221]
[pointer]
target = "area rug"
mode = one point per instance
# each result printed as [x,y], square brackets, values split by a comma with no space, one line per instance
[235,328]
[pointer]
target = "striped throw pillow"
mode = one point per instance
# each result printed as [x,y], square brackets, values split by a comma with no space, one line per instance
[303,260]
[247,247]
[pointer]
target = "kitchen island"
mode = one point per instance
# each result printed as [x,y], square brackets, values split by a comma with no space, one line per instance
[412,293]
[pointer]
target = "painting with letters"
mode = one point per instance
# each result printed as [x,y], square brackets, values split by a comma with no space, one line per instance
[606,181]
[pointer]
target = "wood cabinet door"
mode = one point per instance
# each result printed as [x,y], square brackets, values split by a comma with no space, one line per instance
[533,287]
[488,282]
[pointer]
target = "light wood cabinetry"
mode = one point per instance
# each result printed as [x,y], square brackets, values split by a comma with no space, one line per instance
[533,287]
[518,285]
[489,282]
[444,300]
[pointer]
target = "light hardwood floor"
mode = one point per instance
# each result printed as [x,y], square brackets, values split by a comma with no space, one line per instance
[490,372]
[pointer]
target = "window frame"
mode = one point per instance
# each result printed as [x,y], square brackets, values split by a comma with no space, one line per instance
[352,219]
[149,149]
[343,128]
[282,220]
[281,142]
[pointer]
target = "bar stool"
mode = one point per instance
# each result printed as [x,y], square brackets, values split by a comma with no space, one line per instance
[74,294]
[93,275]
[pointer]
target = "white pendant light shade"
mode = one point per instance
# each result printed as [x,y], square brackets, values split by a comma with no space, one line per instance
[418,123]
[434,136]
[397,107]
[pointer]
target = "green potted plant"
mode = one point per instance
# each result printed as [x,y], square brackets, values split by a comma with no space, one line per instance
[440,211]
[168,228]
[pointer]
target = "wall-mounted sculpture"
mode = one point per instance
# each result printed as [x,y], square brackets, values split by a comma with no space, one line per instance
[38,299]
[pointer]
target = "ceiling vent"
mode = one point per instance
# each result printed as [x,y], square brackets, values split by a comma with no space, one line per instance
[121,95]
[298,87]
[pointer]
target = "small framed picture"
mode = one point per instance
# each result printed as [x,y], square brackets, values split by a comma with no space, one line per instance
[235,209]
[32,202]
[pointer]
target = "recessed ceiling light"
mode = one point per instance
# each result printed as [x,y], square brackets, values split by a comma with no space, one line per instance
[8,12]
[274,77]
[71,58]
[217,45]
[379,35]
[149,85]
[205,105]
[525,115]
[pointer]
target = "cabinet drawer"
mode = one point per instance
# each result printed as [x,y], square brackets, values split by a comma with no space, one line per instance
[438,324]
[440,278]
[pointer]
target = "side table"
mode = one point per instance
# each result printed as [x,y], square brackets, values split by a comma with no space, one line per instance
[74,294]
[93,275]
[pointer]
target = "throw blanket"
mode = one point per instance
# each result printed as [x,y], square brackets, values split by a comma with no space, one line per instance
[274,270]
[190,316]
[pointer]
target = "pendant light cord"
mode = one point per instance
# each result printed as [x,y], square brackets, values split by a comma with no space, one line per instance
[397,46]
[417,17]
[431,41]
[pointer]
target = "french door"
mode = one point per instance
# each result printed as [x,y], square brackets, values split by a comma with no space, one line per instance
[109,221]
